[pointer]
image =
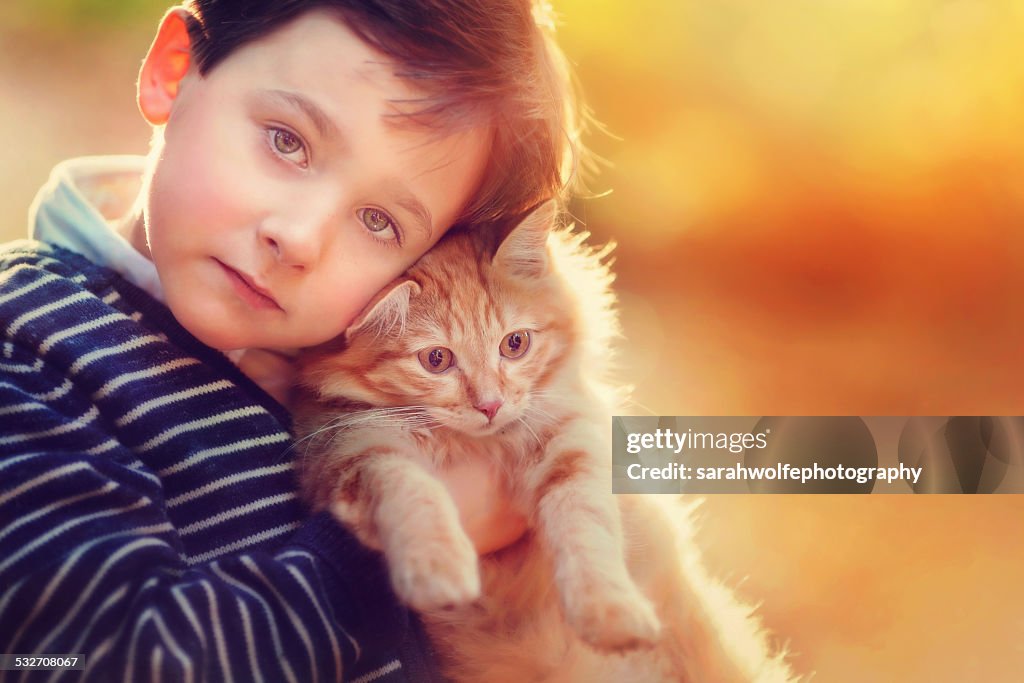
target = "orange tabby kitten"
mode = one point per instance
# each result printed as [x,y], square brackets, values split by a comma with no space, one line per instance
[501,350]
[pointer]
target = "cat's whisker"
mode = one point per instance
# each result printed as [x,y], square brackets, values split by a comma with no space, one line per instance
[539,416]
[309,440]
[523,421]
[413,417]
[544,395]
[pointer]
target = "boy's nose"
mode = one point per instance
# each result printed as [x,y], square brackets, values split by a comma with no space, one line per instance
[294,243]
[288,254]
[275,247]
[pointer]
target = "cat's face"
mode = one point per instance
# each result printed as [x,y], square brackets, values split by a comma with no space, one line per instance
[473,334]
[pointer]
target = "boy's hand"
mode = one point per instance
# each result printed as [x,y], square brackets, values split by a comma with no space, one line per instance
[486,510]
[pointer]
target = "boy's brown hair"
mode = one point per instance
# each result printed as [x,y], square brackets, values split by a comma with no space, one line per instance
[479,62]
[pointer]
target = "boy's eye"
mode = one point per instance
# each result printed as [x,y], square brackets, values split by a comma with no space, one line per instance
[379,223]
[288,145]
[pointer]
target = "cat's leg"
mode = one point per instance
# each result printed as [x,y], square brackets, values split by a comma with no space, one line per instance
[577,518]
[394,504]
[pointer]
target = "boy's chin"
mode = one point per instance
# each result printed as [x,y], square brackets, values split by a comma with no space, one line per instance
[221,328]
[218,336]
[224,338]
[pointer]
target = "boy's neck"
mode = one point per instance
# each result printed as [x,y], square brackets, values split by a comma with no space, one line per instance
[132,226]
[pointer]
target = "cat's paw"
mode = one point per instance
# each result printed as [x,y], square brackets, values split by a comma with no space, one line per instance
[437,574]
[614,619]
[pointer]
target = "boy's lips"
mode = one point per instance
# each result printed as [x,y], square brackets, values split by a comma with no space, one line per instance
[248,290]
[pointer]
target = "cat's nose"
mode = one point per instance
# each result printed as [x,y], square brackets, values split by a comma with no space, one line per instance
[490,409]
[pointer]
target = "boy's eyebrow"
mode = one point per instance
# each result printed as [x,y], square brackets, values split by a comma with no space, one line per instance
[323,123]
[408,201]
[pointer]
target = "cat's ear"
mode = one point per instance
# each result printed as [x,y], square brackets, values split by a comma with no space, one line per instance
[387,310]
[524,250]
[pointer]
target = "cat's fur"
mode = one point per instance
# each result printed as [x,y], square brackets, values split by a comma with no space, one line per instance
[563,603]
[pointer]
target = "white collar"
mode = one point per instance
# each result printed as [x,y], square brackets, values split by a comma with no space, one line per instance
[79,204]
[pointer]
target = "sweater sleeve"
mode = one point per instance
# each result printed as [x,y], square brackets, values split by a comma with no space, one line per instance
[91,564]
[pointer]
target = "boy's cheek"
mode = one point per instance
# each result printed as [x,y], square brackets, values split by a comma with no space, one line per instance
[331,306]
[209,166]
[325,322]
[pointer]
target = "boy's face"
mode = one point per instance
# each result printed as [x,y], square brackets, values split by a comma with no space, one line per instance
[283,199]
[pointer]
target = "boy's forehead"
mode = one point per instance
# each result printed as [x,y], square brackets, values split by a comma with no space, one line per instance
[318,49]
[323,67]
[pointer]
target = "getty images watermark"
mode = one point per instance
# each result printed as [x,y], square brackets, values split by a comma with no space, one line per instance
[817,455]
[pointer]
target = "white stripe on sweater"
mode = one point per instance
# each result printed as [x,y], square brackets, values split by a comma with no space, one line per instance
[156,664]
[23,408]
[192,392]
[52,507]
[96,656]
[207,453]
[128,377]
[218,633]
[227,481]
[108,445]
[40,262]
[196,425]
[130,345]
[335,648]
[165,634]
[247,631]
[300,627]
[178,593]
[42,478]
[275,636]
[234,512]
[41,281]
[21,368]
[29,316]
[80,422]
[391,667]
[10,462]
[250,645]
[58,337]
[138,467]
[51,395]
[9,595]
[242,543]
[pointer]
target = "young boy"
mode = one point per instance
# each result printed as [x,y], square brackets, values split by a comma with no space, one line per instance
[304,154]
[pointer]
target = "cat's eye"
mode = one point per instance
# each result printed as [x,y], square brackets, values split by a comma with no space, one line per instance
[515,344]
[436,359]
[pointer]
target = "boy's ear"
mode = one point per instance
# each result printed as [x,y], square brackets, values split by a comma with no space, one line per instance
[388,309]
[165,65]
[524,250]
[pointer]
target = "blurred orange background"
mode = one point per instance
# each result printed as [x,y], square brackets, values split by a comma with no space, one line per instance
[818,206]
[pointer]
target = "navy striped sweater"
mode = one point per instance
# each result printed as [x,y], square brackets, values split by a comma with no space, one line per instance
[148,510]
